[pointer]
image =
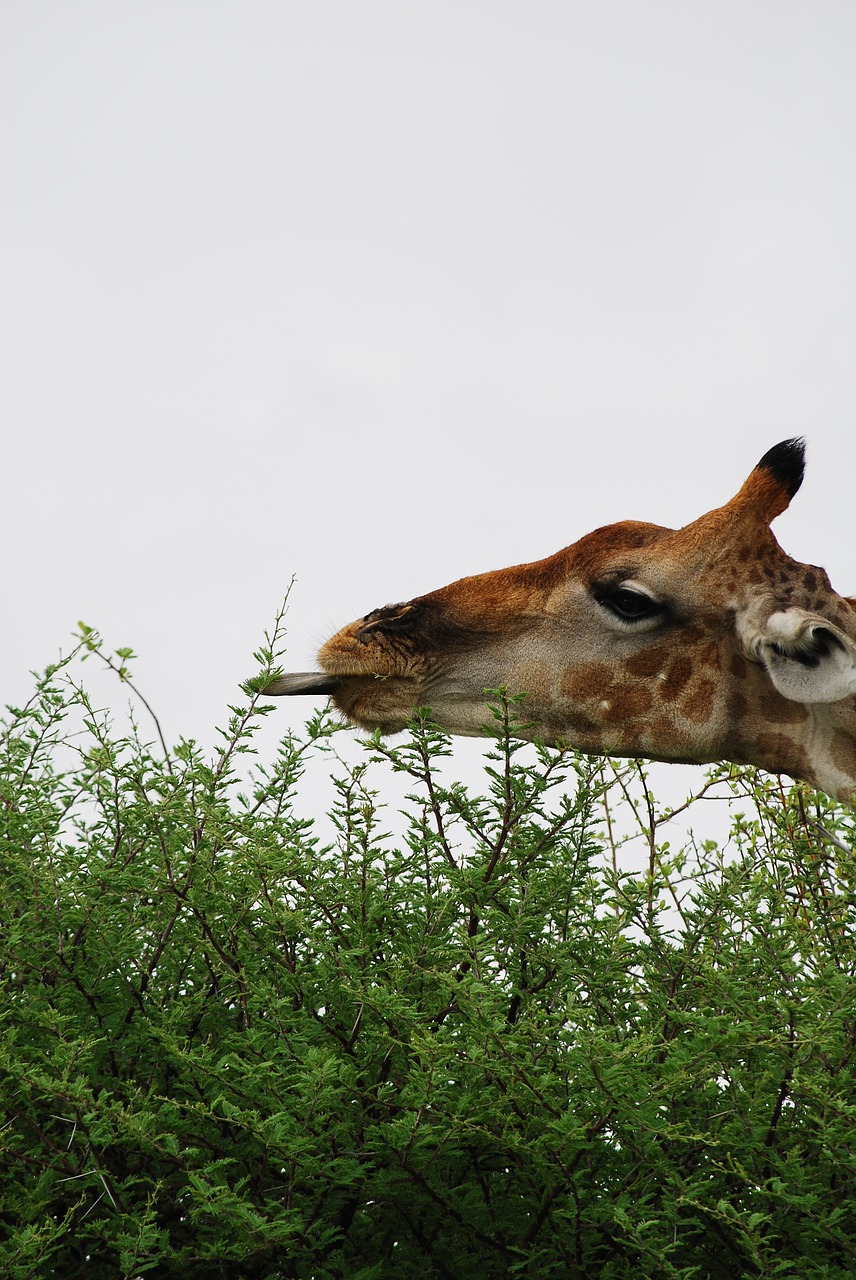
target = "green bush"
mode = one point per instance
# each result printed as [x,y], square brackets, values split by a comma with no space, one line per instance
[240,1043]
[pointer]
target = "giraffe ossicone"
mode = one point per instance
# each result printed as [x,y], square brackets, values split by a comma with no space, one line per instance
[690,645]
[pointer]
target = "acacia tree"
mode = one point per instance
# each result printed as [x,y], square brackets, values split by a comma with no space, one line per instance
[239,1043]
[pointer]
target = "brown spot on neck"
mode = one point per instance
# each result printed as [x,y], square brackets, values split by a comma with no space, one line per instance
[842,751]
[781,754]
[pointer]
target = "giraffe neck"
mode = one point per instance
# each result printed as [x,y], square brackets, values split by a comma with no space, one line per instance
[820,749]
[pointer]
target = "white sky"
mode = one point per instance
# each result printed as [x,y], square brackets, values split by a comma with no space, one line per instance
[381,294]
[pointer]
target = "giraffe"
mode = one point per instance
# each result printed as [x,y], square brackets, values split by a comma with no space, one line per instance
[692,645]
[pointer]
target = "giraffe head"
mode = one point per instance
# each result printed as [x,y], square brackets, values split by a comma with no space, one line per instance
[697,644]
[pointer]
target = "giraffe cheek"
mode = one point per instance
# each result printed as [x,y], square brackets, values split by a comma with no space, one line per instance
[650,662]
[627,705]
[676,678]
[589,680]
[699,703]
[664,739]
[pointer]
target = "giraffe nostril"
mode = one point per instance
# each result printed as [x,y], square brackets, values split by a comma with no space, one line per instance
[386,618]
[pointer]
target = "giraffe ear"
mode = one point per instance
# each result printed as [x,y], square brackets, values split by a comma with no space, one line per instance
[807,658]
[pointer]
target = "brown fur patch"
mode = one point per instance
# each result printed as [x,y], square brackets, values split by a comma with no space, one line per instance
[589,556]
[781,754]
[709,657]
[843,753]
[628,704]
[662,731]
[698,704]
[677,677]
[591,680]
[783,711]
[650,662]
[739,666]
[737,707]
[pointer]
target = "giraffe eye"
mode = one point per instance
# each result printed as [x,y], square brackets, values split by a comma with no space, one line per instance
[627,603]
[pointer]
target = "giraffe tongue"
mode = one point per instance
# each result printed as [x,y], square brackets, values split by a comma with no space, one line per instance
[301,682]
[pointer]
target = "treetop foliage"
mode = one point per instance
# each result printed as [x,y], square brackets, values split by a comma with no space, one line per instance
[240,1041]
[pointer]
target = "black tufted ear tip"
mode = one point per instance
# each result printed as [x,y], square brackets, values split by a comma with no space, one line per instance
[786,461]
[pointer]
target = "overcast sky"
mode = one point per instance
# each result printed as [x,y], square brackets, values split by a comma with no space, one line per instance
[381,294]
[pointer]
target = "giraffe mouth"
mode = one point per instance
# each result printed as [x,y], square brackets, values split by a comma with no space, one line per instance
[371,700]
[297,683]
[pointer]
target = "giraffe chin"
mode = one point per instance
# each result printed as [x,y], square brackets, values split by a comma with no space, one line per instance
[369,700]
[377,702]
